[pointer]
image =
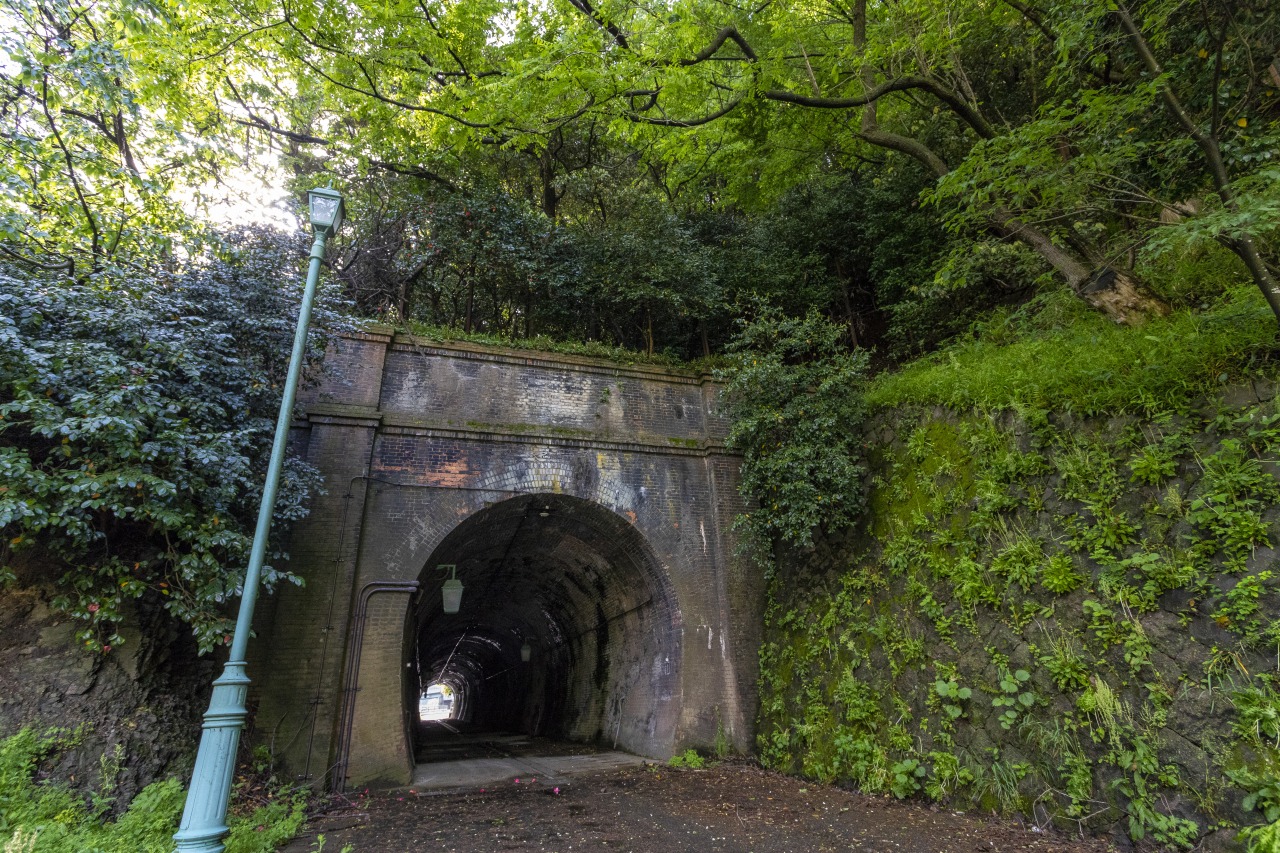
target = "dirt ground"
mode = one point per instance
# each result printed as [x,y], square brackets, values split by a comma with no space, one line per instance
[732,807]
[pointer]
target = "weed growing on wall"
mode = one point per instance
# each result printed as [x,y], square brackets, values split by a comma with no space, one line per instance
[1065,617]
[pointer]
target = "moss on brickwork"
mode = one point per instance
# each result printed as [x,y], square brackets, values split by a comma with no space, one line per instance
[583,350]
[1071,619]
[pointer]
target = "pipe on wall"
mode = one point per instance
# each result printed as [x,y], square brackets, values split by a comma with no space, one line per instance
[351,676]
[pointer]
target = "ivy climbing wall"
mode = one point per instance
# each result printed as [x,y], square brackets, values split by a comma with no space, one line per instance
[1069,619]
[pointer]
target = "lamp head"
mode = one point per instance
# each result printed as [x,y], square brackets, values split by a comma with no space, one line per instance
[327,209]
[451,592]
[526,652]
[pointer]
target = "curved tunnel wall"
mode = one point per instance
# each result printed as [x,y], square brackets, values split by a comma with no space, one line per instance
[581,586]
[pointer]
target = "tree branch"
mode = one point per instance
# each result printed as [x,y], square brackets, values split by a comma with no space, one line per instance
[372,92]
[1033,17]
[67,265]
[96,236]
[873,93]
[257,121]
[870,125]
[235,41]
[590,11]
[729,33]
[426,13]
[692,122]
[1241,243]
[956,102]
[415,172]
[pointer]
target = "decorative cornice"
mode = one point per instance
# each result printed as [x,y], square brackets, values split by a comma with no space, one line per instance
[580,439]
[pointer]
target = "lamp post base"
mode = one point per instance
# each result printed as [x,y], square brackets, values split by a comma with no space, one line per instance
[204,819]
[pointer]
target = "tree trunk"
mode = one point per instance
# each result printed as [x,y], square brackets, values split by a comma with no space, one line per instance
[471,301]
[850,318]
[547,176]
[1119,294]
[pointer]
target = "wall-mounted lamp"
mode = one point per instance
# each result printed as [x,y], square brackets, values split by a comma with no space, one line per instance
[526,652]
[452,589]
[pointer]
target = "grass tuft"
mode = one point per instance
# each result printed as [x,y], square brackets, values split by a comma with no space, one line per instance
[1058,354]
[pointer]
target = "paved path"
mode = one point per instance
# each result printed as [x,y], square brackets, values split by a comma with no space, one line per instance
[450,757]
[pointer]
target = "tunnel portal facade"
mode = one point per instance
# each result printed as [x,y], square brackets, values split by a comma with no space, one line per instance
[587,508]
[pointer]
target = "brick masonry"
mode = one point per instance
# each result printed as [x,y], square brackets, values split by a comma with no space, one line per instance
[587,506]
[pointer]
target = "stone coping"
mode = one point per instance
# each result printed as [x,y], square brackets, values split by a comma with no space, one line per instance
[405,342]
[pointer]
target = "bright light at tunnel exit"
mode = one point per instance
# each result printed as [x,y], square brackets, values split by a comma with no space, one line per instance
[436,702]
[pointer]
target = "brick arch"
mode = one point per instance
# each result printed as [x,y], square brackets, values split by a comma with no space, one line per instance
[579,582]
[549,475]
[427,530]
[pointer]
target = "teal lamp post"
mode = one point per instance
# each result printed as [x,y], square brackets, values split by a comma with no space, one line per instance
[204,820]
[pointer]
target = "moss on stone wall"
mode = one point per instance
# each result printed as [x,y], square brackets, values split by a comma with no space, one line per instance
[1066,618]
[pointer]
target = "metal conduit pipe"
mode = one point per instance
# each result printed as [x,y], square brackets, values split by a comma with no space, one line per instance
[351,677]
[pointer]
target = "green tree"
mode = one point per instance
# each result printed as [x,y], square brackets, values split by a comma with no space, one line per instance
[1021,114]
[476,261]
[1162,128]
[100,132]
[136,414]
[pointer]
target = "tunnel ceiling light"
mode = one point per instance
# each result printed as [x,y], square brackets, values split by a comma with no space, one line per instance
[526,652]
[452,589]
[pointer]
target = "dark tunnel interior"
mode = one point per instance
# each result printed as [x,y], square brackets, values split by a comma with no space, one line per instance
[577,588]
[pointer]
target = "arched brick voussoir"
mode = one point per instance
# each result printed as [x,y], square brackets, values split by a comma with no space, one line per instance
[439,510]
[559,475]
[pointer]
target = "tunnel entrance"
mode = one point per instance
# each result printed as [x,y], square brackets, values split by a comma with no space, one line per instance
[568,628]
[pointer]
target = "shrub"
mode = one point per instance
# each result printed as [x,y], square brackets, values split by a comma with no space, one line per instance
[47,818]
[795,398]
[137,409]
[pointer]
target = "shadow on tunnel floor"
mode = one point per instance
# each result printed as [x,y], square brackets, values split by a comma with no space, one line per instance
[458,740]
